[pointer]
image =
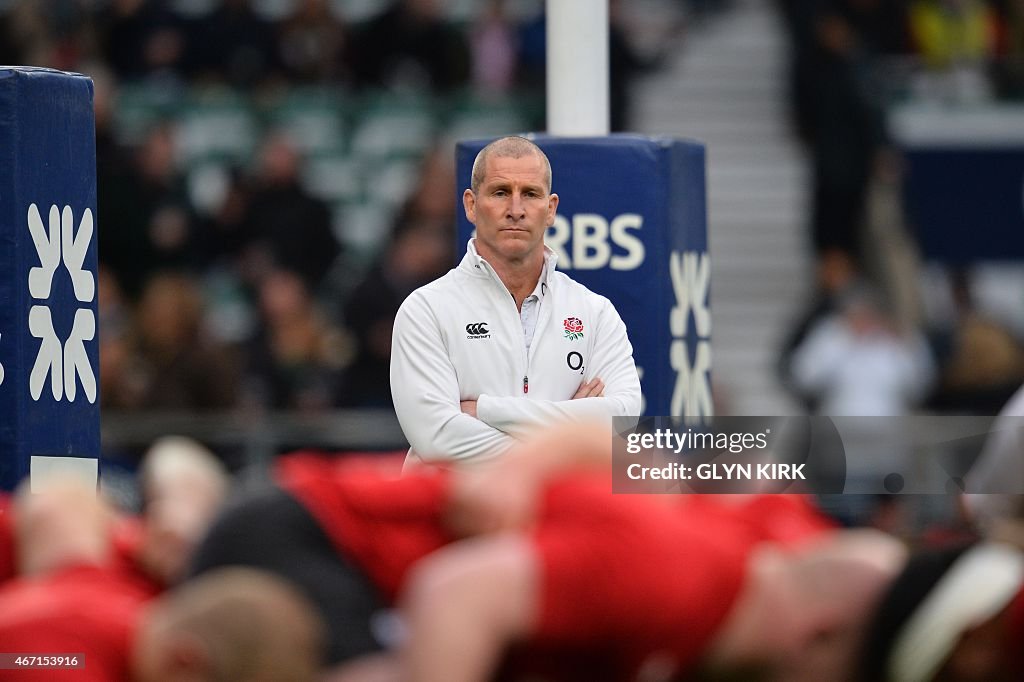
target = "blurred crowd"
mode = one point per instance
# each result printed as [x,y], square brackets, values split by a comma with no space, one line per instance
[275,177]
[874,340]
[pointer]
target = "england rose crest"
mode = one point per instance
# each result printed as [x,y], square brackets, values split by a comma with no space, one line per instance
[573,328]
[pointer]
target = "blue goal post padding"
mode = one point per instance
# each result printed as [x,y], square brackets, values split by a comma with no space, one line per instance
[49,364]
[632,226]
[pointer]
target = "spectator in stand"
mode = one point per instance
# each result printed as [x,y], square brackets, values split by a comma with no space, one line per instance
[835,276]
[418,251]
[21,31]
[139,38]
[625,63]
[984,363]
[181,368]
[120,385]
[311,44]
[297,359]
[225,237]
[235,45]
[148,222]
[1010,67]
[287,228]
[950,32]
[957,39]
[531,69]
[494,46]
[847,131]
[837,105]
[52,35]
[112,159]
[410,45]
[857,363]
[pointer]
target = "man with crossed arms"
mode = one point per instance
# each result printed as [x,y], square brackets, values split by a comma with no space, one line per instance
[504,343]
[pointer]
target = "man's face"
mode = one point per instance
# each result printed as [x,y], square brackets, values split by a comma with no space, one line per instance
[512,209]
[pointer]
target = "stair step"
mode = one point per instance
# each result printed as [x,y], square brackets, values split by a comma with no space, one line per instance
[726,87]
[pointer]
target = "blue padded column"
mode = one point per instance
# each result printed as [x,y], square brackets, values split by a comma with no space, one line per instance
[49,393]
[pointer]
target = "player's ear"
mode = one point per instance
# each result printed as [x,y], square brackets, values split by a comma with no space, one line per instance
[552,208]
[469,205]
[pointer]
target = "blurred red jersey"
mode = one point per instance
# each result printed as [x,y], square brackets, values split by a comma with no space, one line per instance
[7,559]
[383,521]
[84,610]
[628,581]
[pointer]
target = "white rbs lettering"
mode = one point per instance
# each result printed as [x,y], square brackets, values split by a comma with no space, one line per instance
[691,276]
[1,369]
[590,249]
[592,238]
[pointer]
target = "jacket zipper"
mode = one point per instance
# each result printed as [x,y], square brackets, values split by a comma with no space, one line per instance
[526,377]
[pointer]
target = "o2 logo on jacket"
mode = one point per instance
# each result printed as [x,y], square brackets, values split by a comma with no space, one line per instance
[65,361]
[575,361]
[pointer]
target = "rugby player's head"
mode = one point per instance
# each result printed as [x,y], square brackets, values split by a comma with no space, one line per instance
[953,614]
[803,612]
[233,624]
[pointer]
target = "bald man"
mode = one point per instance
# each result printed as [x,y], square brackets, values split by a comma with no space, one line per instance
[504,344]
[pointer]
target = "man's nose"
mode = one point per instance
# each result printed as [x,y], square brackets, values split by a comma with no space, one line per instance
[516,208]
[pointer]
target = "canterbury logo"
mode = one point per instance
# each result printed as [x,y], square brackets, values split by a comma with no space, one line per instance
[477,329]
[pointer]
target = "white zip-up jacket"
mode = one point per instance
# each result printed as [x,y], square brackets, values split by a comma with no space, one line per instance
[461,338]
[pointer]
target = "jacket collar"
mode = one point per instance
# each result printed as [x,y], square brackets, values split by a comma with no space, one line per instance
[476,265]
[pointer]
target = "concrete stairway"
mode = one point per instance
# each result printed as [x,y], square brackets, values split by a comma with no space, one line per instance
[726,87]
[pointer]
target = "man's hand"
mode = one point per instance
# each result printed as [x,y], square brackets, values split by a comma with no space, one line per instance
[468,407]
[592,389]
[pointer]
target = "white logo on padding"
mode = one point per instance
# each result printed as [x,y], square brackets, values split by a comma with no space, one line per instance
[691,278]
[63,362]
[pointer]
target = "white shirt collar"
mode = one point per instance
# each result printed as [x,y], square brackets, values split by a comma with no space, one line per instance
[550,261]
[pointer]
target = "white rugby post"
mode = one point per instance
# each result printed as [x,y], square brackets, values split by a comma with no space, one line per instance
[577,68]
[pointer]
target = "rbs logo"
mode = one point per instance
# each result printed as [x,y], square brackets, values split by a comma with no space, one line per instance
[691,276]
[68,360]
[592,237]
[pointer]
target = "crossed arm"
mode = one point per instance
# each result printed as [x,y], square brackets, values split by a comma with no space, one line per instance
[589,389]
[440,425]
